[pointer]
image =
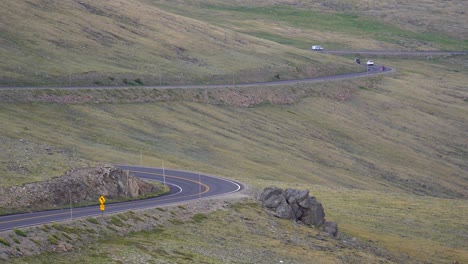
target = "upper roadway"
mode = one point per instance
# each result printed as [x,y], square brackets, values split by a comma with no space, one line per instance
[395,52]
[371,70]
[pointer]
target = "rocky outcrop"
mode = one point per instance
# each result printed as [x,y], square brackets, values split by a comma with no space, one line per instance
[81,185]
[296,205]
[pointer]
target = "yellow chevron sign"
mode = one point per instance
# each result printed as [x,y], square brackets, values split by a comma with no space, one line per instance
[102,200]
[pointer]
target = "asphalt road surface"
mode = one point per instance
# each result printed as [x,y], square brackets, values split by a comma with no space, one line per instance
[185,186]
[372,70]
[395,52]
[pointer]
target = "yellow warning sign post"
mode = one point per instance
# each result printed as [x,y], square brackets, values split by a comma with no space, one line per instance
[102,207]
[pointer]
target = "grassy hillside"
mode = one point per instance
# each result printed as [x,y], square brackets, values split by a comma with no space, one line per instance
[153,42]
[386,155]
[134,43]
[383,162]
[394,134]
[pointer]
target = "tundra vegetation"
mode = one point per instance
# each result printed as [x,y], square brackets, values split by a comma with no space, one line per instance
[386,156]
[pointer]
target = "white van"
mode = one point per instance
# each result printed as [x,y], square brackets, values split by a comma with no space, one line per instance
[317,48]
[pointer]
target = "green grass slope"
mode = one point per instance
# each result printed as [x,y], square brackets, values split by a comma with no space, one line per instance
[134,43]
[423,25]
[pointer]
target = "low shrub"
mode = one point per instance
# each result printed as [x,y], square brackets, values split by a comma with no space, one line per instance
[52,239]
[20,232]
[199,217]
[92,220]
[4,242]
[116,221]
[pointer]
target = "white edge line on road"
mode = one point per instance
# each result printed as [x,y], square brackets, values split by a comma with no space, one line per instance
[239,187]
[167,183]
[98,214]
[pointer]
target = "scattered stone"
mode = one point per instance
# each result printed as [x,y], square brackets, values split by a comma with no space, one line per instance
[331,228]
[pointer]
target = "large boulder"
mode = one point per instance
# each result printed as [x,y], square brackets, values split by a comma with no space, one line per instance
[272,197]
[297,205]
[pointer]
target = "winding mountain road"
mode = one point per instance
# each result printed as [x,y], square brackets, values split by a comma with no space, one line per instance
[184,186]
[370,71]
[395,52]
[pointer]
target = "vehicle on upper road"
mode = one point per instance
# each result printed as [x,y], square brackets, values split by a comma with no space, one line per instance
[370,63]
[317,48]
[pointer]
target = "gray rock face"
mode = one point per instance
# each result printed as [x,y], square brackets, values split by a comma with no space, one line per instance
[293,204]
[81,185]
[272,198]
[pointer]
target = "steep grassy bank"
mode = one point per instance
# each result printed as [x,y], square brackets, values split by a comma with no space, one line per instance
[254,237]
[390,135]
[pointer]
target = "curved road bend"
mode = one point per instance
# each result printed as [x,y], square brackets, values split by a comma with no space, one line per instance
[372,70]
[185,186]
